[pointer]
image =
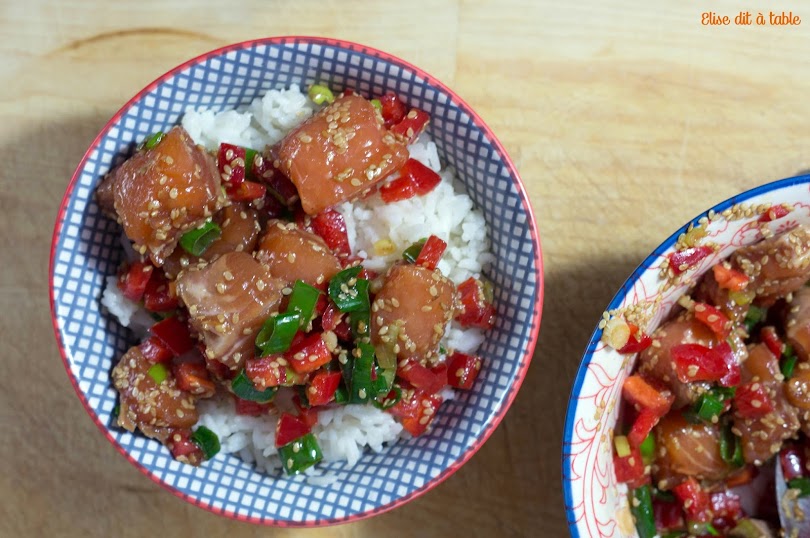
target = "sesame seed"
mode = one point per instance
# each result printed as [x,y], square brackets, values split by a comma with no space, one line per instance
[260,284]
[361,393]
[173,193]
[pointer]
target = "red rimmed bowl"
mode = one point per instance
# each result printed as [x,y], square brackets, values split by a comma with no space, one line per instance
[86,249]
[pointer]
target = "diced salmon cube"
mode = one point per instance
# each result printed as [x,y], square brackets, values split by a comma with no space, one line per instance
[293,254]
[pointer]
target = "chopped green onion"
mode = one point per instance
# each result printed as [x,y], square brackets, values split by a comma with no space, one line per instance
[730,447]
[195,242]
[250,157]
[701,529]
[277,333]
[384,381]
[647,449]
[788,361]
[386,356]
[342,395]
[801,483]
[741,298]
[754,316]
[349,292]
[376,104]
[300,454]
[116,410]
[153,140]
[622,446]
[361,388]
[412,252]
[709,407]
[321,94]
[388,401]
[361,323]
[158,373]
[442,350]
[642,510]
[303,300]
[207,441]
[245,389]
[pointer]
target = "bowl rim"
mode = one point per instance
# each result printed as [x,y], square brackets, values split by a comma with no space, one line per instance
[616,301]
[534,320]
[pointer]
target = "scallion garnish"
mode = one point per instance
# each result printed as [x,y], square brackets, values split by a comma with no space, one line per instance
[277,333]
[158,373]
[320,94]
[348,291]
[153,140]
[389,400]
[754,316]
[195,242]
[376,104]
[788,362]
[303,300]
[300,454]
[207,441]
[647,449]
[245,389]
[801,483]
[412,252]
[642,510]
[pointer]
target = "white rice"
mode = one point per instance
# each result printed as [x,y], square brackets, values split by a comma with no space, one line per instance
[343,432]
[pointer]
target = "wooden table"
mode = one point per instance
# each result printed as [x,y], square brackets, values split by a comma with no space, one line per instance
[625,121]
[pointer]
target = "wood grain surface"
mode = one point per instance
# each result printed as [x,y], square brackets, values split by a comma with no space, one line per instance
[625,119]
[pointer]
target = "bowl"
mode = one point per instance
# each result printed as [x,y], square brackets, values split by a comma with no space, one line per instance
[86,249]
[595,504]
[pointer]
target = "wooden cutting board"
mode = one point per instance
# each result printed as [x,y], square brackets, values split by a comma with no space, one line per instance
[625,119]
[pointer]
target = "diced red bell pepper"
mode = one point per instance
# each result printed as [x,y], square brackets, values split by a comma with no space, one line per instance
[773,213]
[771,339]
[462,370]
[683,260]
[154,350]
[475,310]
[729,278]
[713,319]
[396,190]
[175,334]
[193,377]
[308,415]
[251,408]
[726,510]
[289,428]
[279,186]
[159,295]
[637,342]
[333,320]
[247,191]
[308,354]
[431,253]
[331,226]
[695,501]
[668,514]
[696,362]
[422,377]
[638,391]
[630,469]
[411,125]
[231,165]
[266,372]
[792,461]
[414,179]
[642,426]
[322,388]
[393,109]
[133,280]
[416,410]
[733,374]
[751,400]
[181,445]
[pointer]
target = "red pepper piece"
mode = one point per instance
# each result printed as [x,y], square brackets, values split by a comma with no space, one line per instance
[637,342]
[640,392]
[159,294]
[393,109]
[771,339]
[431,252]
[773,213]
[399,189]
[416,410]
[475,310]
[422,377]
[154,350]
[695,362]
[682,260]
[668,514]
[642,426]
[411,125]
[308,415]
[231,165]
[714,319]
[308,354]
[289,428]
[414,179]
[333,320]
[133,280]
[726,510]
[181,445]
[752,401]
[265,372]
[175,334]
[251,408]
[279,186]
[695,501]
[322,388]
[194,378]
[729,278]
[247,191]
[792,461]
[331,226]
[630,469]
[733,374]
[462,370]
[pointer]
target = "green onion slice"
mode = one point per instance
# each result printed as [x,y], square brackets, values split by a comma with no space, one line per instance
[801,483]
[158,373]
[302,301]
[754,316]
[788,361]
[389,400]
[361,387]
[300,454]
[349,292]
[622,445]
[647,449]
[153,140]
[195,242]
[250,157]
[245,389]
[376,104]
[277,333]
[642,510]
[709,406]
[342,395]
[207,441]
[730,447]
[321,94]
[412,252]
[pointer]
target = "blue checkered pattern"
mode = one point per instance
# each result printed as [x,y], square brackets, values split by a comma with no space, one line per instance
[87,250]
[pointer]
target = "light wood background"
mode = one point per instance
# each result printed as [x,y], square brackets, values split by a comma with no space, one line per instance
[625,119]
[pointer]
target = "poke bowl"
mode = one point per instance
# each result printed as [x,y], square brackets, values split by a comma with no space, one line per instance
[92,257]
[679,285]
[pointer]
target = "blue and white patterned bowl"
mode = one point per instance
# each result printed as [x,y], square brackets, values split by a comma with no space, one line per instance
[86,249]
